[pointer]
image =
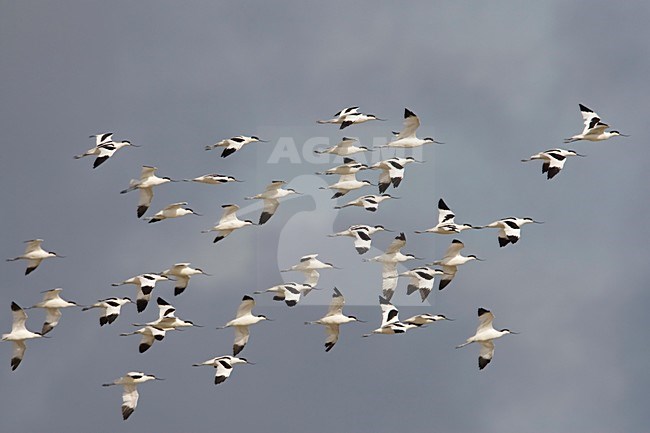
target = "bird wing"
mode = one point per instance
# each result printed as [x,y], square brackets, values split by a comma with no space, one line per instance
[369,201]
[397,244]
[361,241]
[129,399]
[275,185]
[50,295]
[485,354]
[52,317]
[102,138]
[337,303]
[411,124]
[347,111]
[447,276]
[347,178]
[389,280]
[146,195]
[241,338]
[270,206]
[229,213]
[454,248]
[223,368]
[332,336]
[245,307]
[33,245]
[445,215]
[311,277]
[147,171]
[174,206]
[389,314]
[485,320]
[19,317]
[556,160]
[509,230]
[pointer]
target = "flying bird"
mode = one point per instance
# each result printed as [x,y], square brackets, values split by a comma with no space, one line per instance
[406,138]
[110,307]
[485,336]
[554,160]
[333,319]
[148,180]
[421,279]
[104,148]
[390,323]
[271,196]
[149,335]
[241,322]
[594,129]
[145,284]
[451,261]
[392,171]
[34,254]
[19,333]
[368,202]
[289,293]
[174,210]
[182,272]
[349,166]
[308,264]
[223,366]
[446,224]
[234,144]
[425,319]
[228,222]
[349,116]
[213,179]
[52,304]
[346,183]
[510,229]
[167,320]
[362,235]
[389,260]
[130,395]
[344,148]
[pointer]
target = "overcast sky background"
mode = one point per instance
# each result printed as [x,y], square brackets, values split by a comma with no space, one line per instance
[497,82]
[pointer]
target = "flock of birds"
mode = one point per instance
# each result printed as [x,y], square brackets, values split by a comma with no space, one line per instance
[420,279]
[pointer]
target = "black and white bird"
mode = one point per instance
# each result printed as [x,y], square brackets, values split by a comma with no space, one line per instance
[110,307]
[406,138]
[594,129]
[421,279]
[361,234]
[130,395]
[34,255]
[52,304]
[182,272]
[271,196]
[104,148]
[389,260]
[145,284]
[368,202]
[349,166]
[150,334]
[333,319]
[425,319]
[485,336]
[289,293]
[213,179]
[174,210]
[228,222]
[446,224]
[392,171]
[167,320]
[309,263]
[223,366]
[148,180]
[241,322]
[390,323]
[233,144]
[554,160]
[345,184]
[510,229]
[19,333]
[349,116]
[344,147]
[451,261]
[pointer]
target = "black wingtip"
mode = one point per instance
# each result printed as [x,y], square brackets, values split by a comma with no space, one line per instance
[291,303]
[264,217]
[142,210]
[247,298]
[383,187]
[482,311]
[143,347]
[219,379]
[226,152]
[29,270]
[217,239]
[503,242]
[15,307]
[443,284]
[126,412]
[482,363]
[328,346]
[408,113]
[15,362]
[141,304]
[178,290]
[99,161]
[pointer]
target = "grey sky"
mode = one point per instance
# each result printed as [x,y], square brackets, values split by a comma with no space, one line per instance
[496,81]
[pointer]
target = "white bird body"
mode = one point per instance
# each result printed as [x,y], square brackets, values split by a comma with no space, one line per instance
[510,229]
[446,224]
[485,335]
[554,160]
[349,166]
[34,254]
[349,116]
[389,260]
[421,279]
[130,391]
[110,307]
[333,319]
[148,180]
[346,183]
[368,202]
[52,303]
[392,171]
[234,144]
[104,148]
[167,320]
[451,261]
[213,179]
[361,235]
[228,222]
[241,322]
[19,333]
[309,263]
[406,138]
[425,319]
[595,129]
[223,366]
[174,210]
[271,196]
[182,272]
[145,284]
[344,148]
